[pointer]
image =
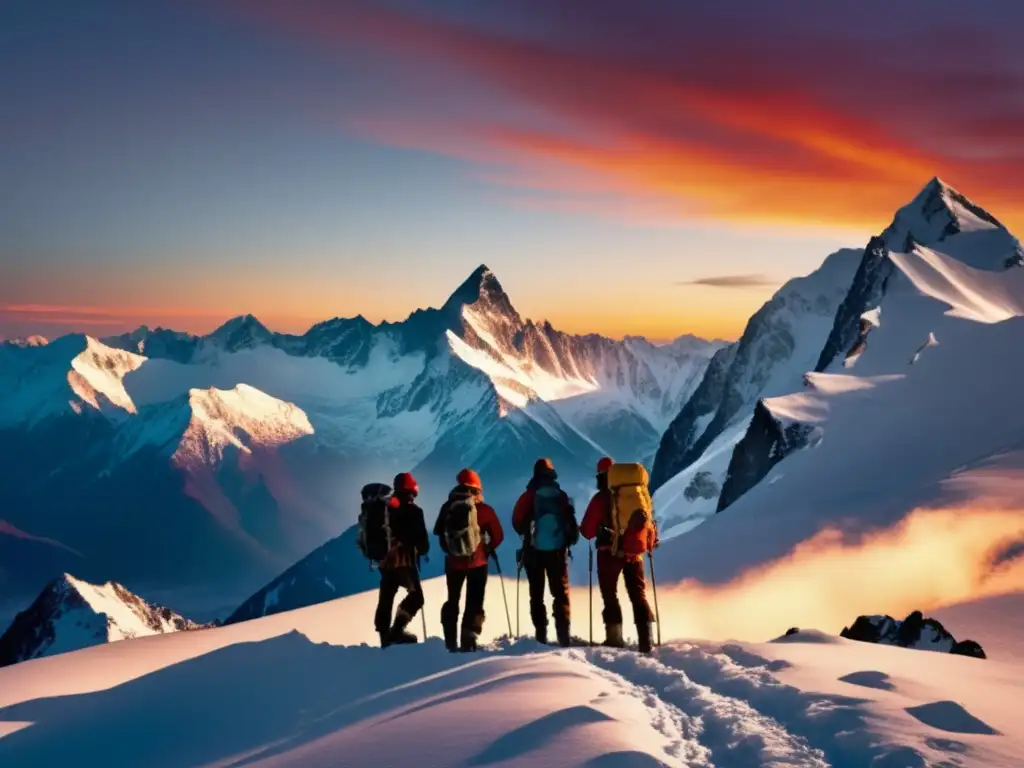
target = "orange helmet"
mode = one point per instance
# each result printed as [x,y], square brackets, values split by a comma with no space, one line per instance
[604,464]
[470,479]
[406,483]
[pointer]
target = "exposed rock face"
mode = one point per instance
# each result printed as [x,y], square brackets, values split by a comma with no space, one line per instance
[915,631]
[767,442]
[866,293]
[703,486]
[676,450]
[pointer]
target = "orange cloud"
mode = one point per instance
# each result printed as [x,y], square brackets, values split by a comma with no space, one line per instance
[768,127]
[895,572]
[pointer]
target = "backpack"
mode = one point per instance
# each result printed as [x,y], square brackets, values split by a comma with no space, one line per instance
[461,531]
[375,539]
[554,524]
[631,505]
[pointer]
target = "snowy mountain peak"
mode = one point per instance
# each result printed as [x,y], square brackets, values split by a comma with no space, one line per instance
[242,332]
[243,418]
[936,213]
[70,614]
[483,291]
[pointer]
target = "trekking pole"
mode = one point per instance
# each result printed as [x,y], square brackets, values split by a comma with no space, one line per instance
[519,569]
[654,586]
[423,608]
[504,597]
[590,558]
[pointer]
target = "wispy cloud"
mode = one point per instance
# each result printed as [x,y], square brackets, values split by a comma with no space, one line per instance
[680,112]
[732,281]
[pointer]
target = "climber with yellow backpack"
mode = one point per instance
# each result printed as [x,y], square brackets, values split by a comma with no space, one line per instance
[620,520]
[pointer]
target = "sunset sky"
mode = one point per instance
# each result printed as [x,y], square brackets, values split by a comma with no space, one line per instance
[643,167]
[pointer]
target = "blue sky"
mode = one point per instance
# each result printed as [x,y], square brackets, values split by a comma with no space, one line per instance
[177,163]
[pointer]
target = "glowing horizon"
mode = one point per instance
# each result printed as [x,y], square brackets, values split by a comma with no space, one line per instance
[624,170]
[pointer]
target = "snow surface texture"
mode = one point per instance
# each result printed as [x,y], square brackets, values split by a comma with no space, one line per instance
[295,690]
[71,614]
[781,341]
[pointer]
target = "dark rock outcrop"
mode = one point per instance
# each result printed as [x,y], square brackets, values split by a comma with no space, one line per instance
[915,632]
[766,443]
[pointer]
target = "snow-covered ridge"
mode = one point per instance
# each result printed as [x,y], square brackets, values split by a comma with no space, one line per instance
[938,217]
[29,341]
[810,699]
[223,418]
[71,614]
[74,374]
[940,245]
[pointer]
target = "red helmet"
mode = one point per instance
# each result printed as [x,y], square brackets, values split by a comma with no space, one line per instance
[604,464]
[406,483]
[470,479]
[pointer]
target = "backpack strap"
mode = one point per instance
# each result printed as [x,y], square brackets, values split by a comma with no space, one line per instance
[612,524]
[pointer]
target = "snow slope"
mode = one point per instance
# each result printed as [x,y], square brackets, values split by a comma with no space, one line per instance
[294,690]
[73,374]
[70,614]
[780,342]
[697,448]
[913,426]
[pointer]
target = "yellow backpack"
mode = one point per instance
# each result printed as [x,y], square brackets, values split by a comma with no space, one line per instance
[632,508]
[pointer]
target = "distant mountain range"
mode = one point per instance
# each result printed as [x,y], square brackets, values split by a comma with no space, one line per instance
[164,460]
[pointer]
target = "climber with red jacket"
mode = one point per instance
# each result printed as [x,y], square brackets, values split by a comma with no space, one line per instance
[622,539]
[400,538]
[468,531]
[545,518]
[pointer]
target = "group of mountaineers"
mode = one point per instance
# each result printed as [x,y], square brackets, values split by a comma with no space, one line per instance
[619,520]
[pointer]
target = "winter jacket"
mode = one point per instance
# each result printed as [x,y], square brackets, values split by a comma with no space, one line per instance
[597,524]
[490,529]
[522,514]
[409,532]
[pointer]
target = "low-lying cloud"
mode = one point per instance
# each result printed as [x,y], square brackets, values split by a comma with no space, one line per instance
[930,560]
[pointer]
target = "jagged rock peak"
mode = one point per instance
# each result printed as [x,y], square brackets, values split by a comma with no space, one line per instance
[242,322]
[936,212]
[481,288]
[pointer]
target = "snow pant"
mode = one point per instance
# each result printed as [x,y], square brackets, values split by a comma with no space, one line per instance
[391,579]
[553,568]
[609,567]
[475,580]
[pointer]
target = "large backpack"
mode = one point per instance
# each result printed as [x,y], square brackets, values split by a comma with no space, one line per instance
[375,539]
[631,507]
[554,524]
[461,530]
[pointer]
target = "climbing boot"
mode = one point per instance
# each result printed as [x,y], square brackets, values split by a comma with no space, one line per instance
[643,633]
[613,636]
[399,634]
[449,625]
[467,643]
[562,633]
